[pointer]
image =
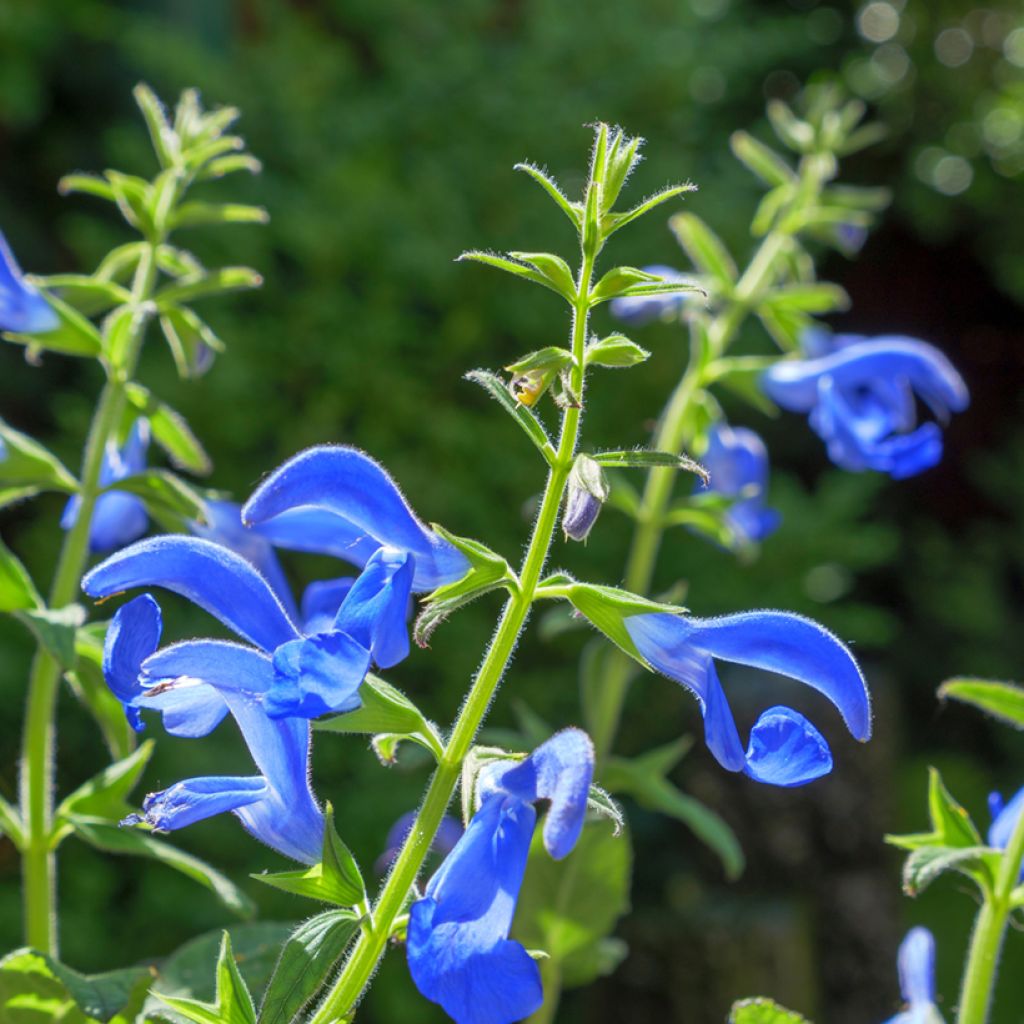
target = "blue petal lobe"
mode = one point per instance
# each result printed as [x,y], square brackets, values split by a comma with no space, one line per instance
[1002,827]
[786,750]
[321,601]
[317,675]
[132,636]
[916,961]
[22,309]
[194,800]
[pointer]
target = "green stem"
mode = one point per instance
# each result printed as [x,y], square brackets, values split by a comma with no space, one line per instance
[989,932]
[370,946]
[37,763]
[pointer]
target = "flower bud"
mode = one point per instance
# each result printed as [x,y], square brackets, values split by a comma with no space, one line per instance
[588,491]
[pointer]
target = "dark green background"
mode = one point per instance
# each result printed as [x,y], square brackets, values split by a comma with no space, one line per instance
[388,130]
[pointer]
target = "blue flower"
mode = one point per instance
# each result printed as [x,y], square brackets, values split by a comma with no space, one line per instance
[335,500]
[917,979]
[118,518]
[860,398]
[1004,819]
[22,309]
[642,309]
[785,749]
[312,674]
[460,955]
[194,685]
[737,460]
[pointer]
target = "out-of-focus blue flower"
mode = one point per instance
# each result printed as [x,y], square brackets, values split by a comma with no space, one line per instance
[312,673]
[118,518]
[449,832]
[916,962]
[785,749]
[22,309]
[194,685]
[1005,816]
[642,309]
[737,461]
[860,398]
[460,955]
[336,500]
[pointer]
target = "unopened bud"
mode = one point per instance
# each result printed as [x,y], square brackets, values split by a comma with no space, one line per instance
[588,491]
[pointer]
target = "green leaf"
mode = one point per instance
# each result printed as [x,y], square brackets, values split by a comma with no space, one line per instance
[553,269]
[209,282]
[134,197]
[625,281]
[73,336]
[55,629]
[89,295]
[614,352]
[17,591]
[11,824]
[336,879]
[165,142]
[134,842]
[551,187]
[568,908]
[164,494]
[785,324]
[170,431]
[230,164]
[233,1003]
[762,160]
[28,464]
[308,959]
[511,266]
[808,298]
[87,184]
[762,1011]
[951,822]
[194,214]
[642,458]
[529,423]
[614,221]
[925,864]
[1004,701]
[551,358]
[793,132]
[187,337]
[384,710]
[705,249]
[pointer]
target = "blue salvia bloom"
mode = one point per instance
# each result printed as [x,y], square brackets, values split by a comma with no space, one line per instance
[194,685]
[916,962]
[118,517]
[1005,816]
[785,749]
[860,397]
[642,309]
[737,461]
[460,955]
[22,309]
[336,500]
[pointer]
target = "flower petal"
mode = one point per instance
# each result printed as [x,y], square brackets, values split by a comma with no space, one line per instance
[917,967]
[350,484]
[22,308]
[194,800]
[211,576]
[786,750]
[317,675]
[1005,819]
[132,636]
[321,601]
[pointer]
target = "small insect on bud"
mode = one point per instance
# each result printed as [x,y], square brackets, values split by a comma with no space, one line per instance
[527,387]
[588,491]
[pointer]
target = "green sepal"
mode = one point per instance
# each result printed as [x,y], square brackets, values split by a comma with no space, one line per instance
[196,214]
[642,458]
[119,328]
[119,264]
[762,160]
[55,630]
[168,498]
[926,863]
[553,269]
[526,419]
[89,295]
[17,591]
[551,358]
[308,958]
[178,262]
[614,352]
[550,186]
[706,250]
[161,135]
[1004,701]
[798,135]
[622,155]
[186,332]
[73,336]
[785,324]
[336,879]
[170,431]
[645,779]
[233,1003]
[136,842]
[763,1011]
[134,198]
[385,710]
[206,283]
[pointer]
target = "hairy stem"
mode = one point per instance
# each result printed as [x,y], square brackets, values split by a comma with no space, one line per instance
[370,946]
[37,759]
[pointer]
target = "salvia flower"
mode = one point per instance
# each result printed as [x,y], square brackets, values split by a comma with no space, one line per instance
[22,309]
[194,685]
[460,955]
[642,309]
[737,461]
[860,397]
[916,962]
[785,749]
[586,493]
[118,517]
[312,674]
[336,500]
[1005,816]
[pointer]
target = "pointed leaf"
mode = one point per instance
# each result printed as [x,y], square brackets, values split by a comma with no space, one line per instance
[11,824]
[105,795]
[641,458]
[89,295]
[26,463]
[553,269]
[705,249]
[190,340]
[17,591]
[210,282]
[614,352]
[762,1011]
[55,630]
[233,1003]
[551,358]
[924,865]
[170,431]
[550,186]
[762,160]
[1004,701]
[194,214]
[164,494]
[615,221]
[529,423]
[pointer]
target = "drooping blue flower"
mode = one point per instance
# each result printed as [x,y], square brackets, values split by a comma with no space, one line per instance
[312,674]
[785,749]
[642,309]
[22,309]
[118,517]
[460,955]
[194,685]
[336,500]
[860,397]
[1005,816]
[916,962]
[737,461]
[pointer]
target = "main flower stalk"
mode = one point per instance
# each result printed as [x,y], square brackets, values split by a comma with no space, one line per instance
[37,760]
[393,897]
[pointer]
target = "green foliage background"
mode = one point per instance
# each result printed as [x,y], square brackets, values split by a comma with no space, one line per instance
[388,130]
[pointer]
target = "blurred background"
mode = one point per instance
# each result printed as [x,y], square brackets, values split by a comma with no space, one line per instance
[388,130]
